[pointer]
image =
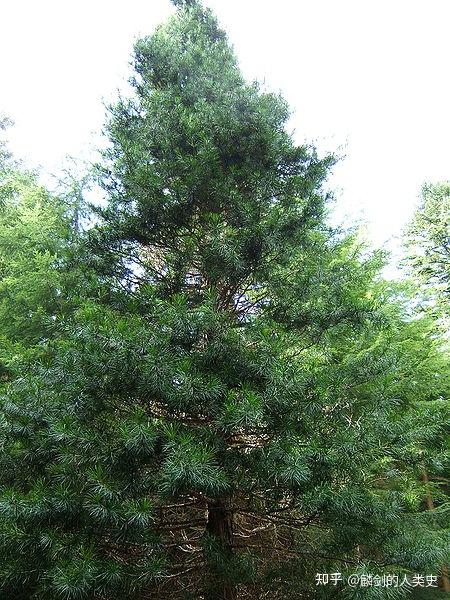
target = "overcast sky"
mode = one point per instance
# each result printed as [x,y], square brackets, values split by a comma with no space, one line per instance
[369,78]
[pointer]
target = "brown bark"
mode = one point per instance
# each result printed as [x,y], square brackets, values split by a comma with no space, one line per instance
[220,525]
[430,506]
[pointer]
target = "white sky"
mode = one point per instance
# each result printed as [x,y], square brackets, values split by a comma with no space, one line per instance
[368,76]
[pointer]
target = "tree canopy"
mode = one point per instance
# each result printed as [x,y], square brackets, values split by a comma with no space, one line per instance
[428,238]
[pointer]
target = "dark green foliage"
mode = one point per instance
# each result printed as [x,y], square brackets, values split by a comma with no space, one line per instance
[233,406]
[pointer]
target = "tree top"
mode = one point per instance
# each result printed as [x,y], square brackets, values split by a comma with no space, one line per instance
[184,3]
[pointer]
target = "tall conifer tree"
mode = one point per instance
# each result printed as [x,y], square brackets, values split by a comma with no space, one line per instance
[225,421]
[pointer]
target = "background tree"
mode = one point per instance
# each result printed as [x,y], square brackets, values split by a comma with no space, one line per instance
[428,238]
[427,241]
[39,282]
[5,155]
[32,231]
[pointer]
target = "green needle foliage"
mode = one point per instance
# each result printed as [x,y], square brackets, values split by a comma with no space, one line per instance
[233,408]
[427,242]
[34,230]
[428,238]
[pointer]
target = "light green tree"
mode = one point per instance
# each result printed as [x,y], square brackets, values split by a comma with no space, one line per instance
[36,286]
[428,239]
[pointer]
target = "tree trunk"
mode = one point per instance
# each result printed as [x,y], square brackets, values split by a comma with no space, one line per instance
[430,506]
[220,526]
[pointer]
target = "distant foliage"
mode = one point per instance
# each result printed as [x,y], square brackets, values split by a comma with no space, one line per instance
[428,238]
